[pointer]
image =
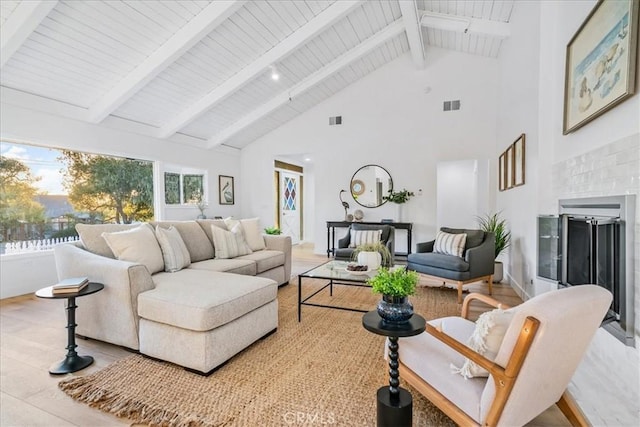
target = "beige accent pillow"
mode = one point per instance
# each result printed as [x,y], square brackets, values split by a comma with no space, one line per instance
[229,244]
[450,244]
[486,339]
[91,236]
[361,237]
[231,222]
[253,233]
[137,245]
[174,251]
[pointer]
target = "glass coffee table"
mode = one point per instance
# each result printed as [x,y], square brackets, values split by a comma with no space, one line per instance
[335,272]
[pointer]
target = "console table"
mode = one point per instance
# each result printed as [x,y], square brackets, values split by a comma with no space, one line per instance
[331,233]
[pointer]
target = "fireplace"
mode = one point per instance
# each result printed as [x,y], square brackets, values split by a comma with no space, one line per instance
[596,246]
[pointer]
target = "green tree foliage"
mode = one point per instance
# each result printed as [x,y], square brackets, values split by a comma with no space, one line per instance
[17,192]
[117,189]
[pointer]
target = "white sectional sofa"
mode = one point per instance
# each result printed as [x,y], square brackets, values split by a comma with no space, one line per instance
[197,316]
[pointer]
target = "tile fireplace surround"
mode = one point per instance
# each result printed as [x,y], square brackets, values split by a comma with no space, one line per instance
[607,382]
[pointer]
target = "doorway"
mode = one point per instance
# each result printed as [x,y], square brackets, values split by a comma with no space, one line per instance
[289,201]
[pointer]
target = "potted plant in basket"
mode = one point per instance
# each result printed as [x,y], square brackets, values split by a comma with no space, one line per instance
[395,286]
[494,224]
[272,230]
[372,255]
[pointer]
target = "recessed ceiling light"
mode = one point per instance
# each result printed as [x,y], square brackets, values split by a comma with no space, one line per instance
[307,159]
[274,73]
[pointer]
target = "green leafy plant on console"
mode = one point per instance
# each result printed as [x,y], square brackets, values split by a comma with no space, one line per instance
[398,196]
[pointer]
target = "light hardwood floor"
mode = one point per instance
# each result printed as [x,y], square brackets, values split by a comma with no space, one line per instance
[32,337]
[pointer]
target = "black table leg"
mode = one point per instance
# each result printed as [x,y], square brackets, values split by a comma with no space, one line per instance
[72,361]
[299,298]
[395,404]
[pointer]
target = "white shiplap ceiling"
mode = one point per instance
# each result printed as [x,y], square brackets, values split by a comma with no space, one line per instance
[199,72]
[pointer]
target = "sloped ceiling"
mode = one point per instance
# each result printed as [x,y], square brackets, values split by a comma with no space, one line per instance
[200,72]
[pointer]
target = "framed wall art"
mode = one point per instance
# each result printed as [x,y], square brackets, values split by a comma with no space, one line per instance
[502,180]
[600,69]
[509,167]
[518,161]
[225,186]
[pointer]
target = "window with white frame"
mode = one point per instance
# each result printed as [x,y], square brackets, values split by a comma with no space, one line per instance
[184,186]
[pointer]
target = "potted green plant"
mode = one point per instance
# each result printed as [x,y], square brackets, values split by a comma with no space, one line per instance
[492,223]
[372,255]
[395,286]
[399,198]
[272,230]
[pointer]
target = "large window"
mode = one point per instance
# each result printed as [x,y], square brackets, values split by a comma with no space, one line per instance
[184,187]
[45,191]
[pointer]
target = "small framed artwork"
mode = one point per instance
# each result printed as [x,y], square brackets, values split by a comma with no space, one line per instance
[509,167]
[600,62]
[225,186]
[518,161]
[501,173]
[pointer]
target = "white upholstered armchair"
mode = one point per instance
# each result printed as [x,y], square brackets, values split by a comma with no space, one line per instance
[544,340]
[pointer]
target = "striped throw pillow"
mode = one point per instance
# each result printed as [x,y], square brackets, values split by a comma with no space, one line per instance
[361,237]
[450,244]
[174,251]
[229,244]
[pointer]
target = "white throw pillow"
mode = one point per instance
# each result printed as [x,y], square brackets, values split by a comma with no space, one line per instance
[229,244]
[174,251]
[230,222]
[361,237]
[137,245]
[486,340]
[450,244]
[253,233]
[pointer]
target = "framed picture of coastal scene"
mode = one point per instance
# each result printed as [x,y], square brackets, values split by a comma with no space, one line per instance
[225,186]
[600,68]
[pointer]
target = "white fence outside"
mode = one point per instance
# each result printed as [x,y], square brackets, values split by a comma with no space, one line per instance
[27,246]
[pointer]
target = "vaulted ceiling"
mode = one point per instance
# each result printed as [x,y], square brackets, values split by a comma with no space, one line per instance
[200,72]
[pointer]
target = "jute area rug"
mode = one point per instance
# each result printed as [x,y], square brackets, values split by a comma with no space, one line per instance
[324,370]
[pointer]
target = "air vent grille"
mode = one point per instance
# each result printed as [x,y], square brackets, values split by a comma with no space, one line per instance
[451,105]
[335,120]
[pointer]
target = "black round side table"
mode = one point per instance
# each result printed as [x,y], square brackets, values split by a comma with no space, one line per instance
[395,404]
[72,361]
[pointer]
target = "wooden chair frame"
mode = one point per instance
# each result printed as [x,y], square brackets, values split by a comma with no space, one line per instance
[461,283]
[504,378]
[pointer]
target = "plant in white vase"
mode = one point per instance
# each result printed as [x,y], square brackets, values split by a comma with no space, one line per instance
[399,198]
[373,255]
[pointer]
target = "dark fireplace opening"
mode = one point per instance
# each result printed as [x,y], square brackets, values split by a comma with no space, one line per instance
[591,240]
[593,256]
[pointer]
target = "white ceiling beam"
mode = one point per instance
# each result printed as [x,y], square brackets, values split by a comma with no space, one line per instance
[318,24]
[183,40]
[465,24]
[382,36]
[21,23]
[414,32]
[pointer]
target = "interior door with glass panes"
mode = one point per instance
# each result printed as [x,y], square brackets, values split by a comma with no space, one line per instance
[290,205]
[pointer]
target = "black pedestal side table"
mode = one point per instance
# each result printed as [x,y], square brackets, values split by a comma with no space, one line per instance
[395,404]
[72,361]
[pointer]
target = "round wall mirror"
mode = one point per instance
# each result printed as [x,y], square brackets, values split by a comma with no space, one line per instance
[369,184]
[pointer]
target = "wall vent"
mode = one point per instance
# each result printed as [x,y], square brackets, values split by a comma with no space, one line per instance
[451,105]
[335,120]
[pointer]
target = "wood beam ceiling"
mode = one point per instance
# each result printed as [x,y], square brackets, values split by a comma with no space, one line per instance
[21,23]
[414,33]
[382,36]
[183,40]
[315,26]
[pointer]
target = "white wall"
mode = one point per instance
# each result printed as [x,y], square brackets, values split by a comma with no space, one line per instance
[462,193]
[531,95]
[388,120]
